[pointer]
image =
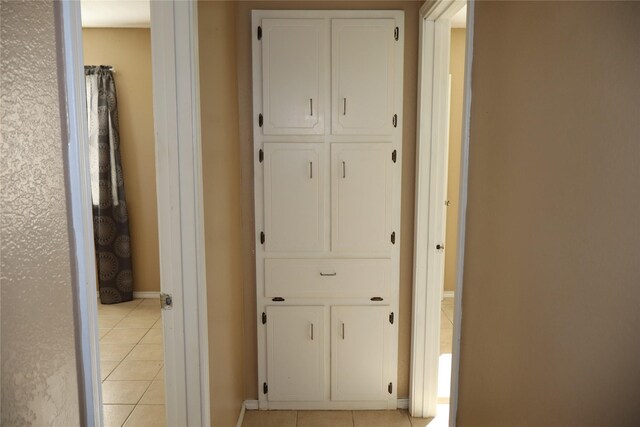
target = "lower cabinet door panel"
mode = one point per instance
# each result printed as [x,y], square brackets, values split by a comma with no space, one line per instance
[360,352]
[295,353]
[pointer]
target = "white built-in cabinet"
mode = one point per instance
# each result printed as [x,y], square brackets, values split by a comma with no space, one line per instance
[327,89]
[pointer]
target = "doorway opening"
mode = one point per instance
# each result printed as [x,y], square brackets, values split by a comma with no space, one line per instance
[446,34]
[118,79]
[142,353]
[452,203]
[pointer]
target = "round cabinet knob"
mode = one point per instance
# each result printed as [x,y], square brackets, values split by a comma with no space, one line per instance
[440,247]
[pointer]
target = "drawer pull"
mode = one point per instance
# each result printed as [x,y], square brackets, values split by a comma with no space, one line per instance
[376,299]
[343,330]
[312,332]
[328,274]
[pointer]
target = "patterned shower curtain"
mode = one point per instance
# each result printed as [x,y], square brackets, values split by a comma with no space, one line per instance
[110,219]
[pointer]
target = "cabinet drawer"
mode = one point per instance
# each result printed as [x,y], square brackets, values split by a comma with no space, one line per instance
[327,278]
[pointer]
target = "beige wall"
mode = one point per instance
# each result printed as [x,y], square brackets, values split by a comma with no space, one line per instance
[550,332]
[223,225]
[39,371]
[456,69]
[243,36]
[128,50]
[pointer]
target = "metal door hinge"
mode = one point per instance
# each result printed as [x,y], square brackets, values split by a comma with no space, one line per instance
[396,33]
[262,237]
[260,155]
[394,156]
[265,388]
[260,120]
[390,388]
[264,318]
[391,318]
[260,33]
[393,238]
[395,121]
[166,301]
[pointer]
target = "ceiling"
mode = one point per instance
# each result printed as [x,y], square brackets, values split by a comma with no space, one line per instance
[116,13]
[460,18]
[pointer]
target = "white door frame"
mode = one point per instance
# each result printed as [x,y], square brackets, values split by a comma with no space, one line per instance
[431,159]
[174,41]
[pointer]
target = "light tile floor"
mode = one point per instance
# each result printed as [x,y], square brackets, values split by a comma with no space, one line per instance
[399,418]
[132,363]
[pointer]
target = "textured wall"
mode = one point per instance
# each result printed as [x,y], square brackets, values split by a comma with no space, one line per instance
[128,50]
[39,380]
[243,40]
[550,319]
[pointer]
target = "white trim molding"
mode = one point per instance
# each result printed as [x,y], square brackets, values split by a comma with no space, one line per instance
[462,213]
[403,404]
[251,405]
[136,294]
[243,409]
[81,213]
[176,106]
[431,167]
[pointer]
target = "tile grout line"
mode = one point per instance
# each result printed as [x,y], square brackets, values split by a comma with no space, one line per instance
[125,356]
[128,416]
[147,330]
[447,316]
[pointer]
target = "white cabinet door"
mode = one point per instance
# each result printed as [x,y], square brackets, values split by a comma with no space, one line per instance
[360,352]
[295,353]
[293,76]
[362,56]
[361,187]
[293,197]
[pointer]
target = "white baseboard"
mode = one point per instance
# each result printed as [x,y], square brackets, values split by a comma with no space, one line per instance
[403,404]
[448,294]
[138,295]
[241,416]
[146,294]
[252,405]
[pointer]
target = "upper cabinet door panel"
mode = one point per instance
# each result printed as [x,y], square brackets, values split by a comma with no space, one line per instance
[362,54]
[292,76]
[293,197]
